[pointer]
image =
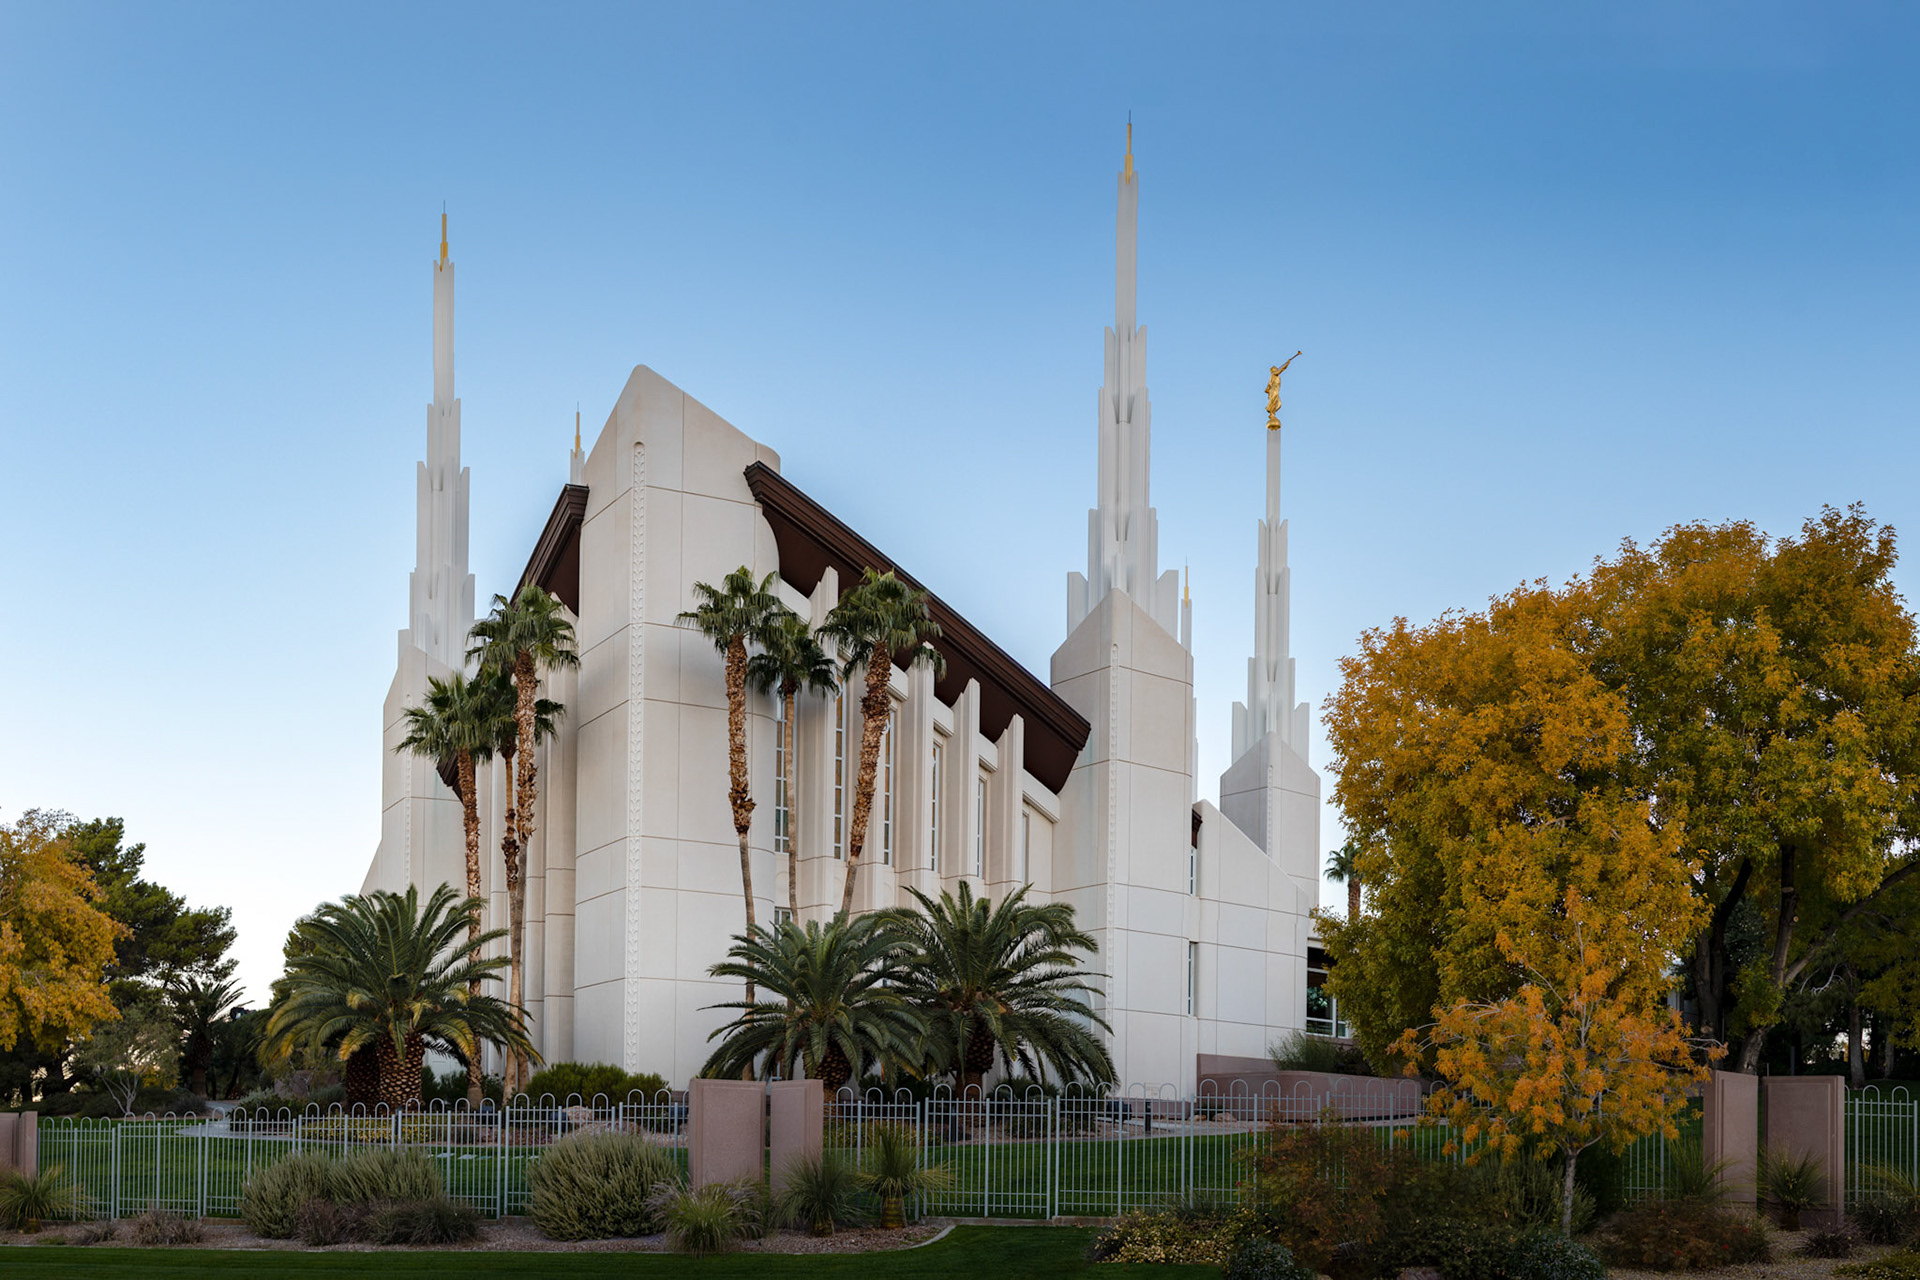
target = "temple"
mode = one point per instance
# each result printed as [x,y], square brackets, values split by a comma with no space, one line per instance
[1080,785]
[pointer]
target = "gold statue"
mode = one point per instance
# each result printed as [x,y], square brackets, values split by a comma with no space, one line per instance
[1273,392]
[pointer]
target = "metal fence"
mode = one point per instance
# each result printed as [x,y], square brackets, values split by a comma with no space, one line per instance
[198,1167]
[1882,1140]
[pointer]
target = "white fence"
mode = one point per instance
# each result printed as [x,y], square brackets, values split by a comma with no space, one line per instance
[1882,1140]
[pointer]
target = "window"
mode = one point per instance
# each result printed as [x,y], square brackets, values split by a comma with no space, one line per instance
[980,826]
[782,805]
[1022,872]
[886,788]
[1193,868]
[1323,1011]
[1193,978]
[782,915]
[839,776]
[933,831]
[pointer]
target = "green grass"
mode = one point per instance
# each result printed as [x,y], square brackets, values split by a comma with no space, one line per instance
[1004,1253]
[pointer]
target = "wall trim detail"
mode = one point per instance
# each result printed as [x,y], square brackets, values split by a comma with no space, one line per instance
[636,738]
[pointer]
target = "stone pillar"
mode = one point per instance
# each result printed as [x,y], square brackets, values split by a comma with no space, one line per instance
[9,1128]
[726,1130]
[1806,1115]
[26,1144]
[1730,1112]
[795,1124]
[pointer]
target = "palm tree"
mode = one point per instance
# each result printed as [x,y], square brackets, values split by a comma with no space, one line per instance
[1341,869]
[524,638]
[1000,982]
[791,659]
[739,610]
[385,976]
[838,1006]
[198,1003]
[461,721]
[880,622]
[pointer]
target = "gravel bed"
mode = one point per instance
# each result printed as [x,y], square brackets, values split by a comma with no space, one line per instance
[1787,1264]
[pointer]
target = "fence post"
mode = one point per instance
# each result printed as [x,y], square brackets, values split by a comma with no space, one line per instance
[1806,1116]
[1730,1130]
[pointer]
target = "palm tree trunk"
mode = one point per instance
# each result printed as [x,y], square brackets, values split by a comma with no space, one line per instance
[1353,898]
[873,722]
[470,815]
[739,795]
[510,857]
[526,682]
[787,690]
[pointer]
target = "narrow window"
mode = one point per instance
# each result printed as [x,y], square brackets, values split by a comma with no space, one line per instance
[839,777]
[782,915]
[980,826]
[1193,868]
[886,789]
[1193,978]
[1024,872]
[933,832]
[782,745]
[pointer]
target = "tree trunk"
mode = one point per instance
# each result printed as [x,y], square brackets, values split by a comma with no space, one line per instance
[787,690]
[526,688]
[739,794]
[362,1077]
[470,815]
[834,1070]
[873,723]
[1353,898]
[1567,1191]
[1856,1052]
[1756,1039]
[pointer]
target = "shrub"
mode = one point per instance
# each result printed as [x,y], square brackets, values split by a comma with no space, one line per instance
[433,1220]
[1548,1255]
[1325,1186]
[95,1233]
[1298,1051]
[1831,1242]
[1691,1176]
[1904,1265]
[1462,1247]
[597,1186]
[1790,1183]
[1164,1236]
[27,1202]
[1258,1259]
[271,1200]
[450,1087]
[819,1193]
[563,1080]
[712,1219]
[1890,1211]
[894,1174]
[1683,1235]
[318,1223]
[384,1174]
[158,1227]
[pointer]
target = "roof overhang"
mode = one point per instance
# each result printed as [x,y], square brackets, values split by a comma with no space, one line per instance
[555,563]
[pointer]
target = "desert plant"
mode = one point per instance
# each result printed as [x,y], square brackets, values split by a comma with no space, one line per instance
[712,1219]
[270,1202]
[1888,1211]
[1830,1242]
[1260,1259]
[598,1186]
[1161,1236]
[318,1223]
[383,1174]
[27,1201]
[157,1227]
[94,1233]
[1548,1255]
[431,1220]
[893,1171]
[1790,1183]
[1691,1176]
[563,1081]
[818,1193]
[1298,1051]
[1683,1235]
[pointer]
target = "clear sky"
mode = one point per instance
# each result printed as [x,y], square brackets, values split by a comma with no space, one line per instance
[1563,274]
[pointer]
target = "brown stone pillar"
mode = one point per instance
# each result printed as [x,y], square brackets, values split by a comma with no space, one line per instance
[26,1144]
[726,1130]
[796,1122]
[1730,1112]
[9,1127]
[1806,1116]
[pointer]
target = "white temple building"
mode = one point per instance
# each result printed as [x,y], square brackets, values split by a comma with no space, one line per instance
[1081,785]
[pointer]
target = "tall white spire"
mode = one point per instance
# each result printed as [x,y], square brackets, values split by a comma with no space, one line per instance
[440,590]
[1122,530]
[1270,707]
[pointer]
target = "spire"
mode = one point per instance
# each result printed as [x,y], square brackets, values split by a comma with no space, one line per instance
[577,460]
[440,590]
[1270,707]
[1123,528]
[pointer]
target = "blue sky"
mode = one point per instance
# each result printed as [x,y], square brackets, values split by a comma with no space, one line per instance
[1563,274]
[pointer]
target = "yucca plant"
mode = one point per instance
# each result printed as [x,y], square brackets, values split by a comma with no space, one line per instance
[1791,1183]
[712,1219]
[1691,1176]
[27,1201]
[819,1193]
[893,1171]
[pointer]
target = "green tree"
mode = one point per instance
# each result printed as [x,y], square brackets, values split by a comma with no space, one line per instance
[878,624]
[835,1009]
[137,1049]
[165,938]
[524,638]
[199,1003]
[791,659]
[1002,983]
[387,974]
[1341,870]
[737,612]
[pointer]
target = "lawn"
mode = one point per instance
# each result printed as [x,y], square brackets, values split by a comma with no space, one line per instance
[968,1254]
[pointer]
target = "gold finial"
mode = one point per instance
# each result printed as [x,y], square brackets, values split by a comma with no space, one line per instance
[1129,162]
[1273,391]
[576,431]
[1187,593]
[443,237]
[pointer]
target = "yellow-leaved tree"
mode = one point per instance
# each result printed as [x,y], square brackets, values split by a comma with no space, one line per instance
[55,943]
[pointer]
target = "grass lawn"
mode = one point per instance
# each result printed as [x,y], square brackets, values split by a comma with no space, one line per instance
[968,1254]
